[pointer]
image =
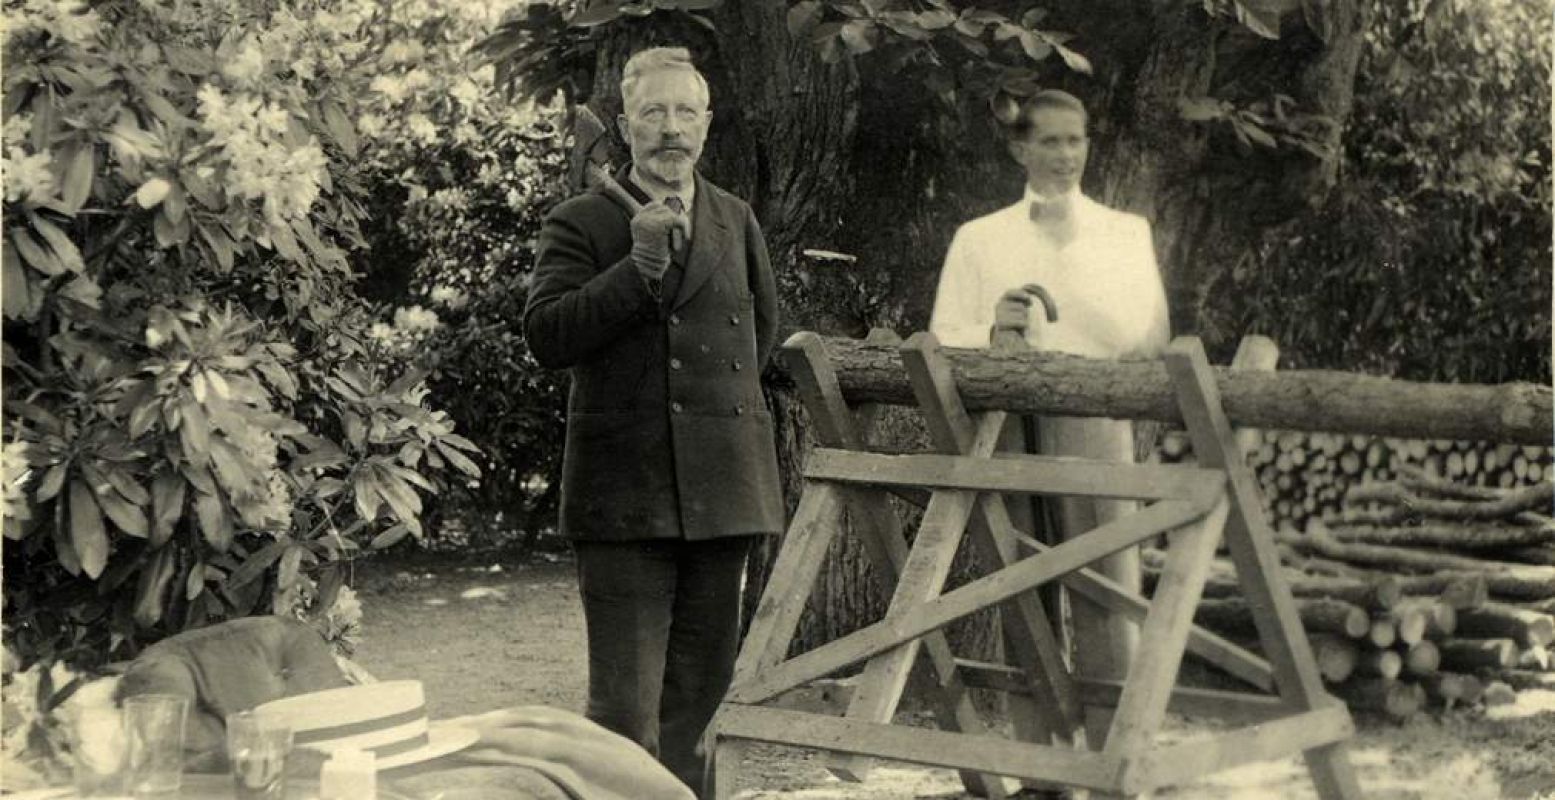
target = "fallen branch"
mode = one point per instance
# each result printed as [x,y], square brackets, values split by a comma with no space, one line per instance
[1530,498]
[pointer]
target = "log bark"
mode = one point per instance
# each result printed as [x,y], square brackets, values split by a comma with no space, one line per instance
[1535,658]
[1397,699]
[1382,632]
[1503,579]
[1232,615]
[1458,592]
[1499,693]
[1467,655]
[1447,689]
[1498,505]
[1063,385]
[1499,620]
[1518,680]
[1441,619]
[1422,659]
[1410,623]
[1336,656]
[1471,536]
[1543,556]
[1375,663]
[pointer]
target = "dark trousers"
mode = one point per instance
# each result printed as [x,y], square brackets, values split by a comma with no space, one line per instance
[663,620]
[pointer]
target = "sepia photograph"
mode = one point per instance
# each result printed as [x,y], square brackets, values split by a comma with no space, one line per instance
[777,400]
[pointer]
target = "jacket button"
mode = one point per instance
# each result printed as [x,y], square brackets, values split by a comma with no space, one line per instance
[675,407]
[674,319]
[704,348]
[736,364]
[734,319]
[739,408]
[674,363]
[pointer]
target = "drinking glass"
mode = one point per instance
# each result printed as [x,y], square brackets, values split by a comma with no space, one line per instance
[257,746]
[99,751]
[155,725]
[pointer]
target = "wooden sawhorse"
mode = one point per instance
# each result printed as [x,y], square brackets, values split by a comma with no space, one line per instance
[1192,505]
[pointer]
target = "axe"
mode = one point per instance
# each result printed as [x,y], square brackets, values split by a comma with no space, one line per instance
[590,165]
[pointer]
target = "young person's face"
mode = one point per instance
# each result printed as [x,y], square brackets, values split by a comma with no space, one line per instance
[665,124]
[1054,150]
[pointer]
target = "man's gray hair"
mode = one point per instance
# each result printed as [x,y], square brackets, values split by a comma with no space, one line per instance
[656,59]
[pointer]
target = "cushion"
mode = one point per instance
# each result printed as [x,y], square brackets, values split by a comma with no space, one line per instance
[229,667]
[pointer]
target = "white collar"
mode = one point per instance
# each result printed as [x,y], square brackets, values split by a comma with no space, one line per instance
[1033,196]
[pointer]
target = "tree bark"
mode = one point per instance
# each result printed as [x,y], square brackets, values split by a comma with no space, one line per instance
[1467,655]
[1498,620]
[1063,385]
[1395,698]
[1475,537]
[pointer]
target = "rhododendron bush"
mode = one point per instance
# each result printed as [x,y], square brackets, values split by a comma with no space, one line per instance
[204,418]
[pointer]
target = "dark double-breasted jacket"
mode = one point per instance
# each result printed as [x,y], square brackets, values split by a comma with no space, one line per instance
[667,432]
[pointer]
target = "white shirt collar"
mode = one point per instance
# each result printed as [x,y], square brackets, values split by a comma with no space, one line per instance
[1033,196]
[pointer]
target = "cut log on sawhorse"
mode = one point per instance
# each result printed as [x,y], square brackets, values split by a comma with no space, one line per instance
[965,482]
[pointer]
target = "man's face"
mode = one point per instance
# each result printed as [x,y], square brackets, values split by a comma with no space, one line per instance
[1054,151]
[665,124]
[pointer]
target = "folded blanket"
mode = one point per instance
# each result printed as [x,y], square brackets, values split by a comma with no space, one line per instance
[581,758]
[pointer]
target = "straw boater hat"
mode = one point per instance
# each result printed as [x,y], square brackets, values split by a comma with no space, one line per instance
[388,719]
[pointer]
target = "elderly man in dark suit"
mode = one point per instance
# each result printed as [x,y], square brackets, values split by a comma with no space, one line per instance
[669,472]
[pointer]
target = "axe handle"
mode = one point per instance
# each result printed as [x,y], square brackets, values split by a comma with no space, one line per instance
[609,186]
[599,177]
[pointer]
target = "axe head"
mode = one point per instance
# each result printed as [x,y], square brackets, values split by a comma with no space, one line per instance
[591,144]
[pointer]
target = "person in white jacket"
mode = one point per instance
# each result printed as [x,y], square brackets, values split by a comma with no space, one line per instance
[1099,267]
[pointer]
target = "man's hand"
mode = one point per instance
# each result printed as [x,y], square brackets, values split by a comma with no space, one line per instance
[1012,312]
[651,239]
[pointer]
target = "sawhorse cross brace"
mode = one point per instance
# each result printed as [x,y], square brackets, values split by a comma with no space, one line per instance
[1192,505]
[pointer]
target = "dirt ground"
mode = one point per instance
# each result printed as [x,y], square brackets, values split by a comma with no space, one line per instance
[490,633]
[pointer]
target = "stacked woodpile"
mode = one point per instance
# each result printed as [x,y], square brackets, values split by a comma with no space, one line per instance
[1416,589]
[1304,476]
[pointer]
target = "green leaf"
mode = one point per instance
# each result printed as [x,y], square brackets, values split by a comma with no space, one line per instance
[65,551]
[936,19]
[167,506]
[36,255]
[390,537]
[16,288]
[599,13]
[215,520]
[128,486]
[402,499]
[88,537]
[341,128]
[69,256]
[232,467]
[127,516]
[256,564]
[77,188]
[291,563]
[152,192]
[859,36]
[458,459]
[194,584]
[1200,109]
[1261,16]
[803,16]
[53,480]
[1073,60]
[195,432]
[365,489]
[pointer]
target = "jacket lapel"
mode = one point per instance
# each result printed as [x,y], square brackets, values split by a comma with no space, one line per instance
[709,239]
